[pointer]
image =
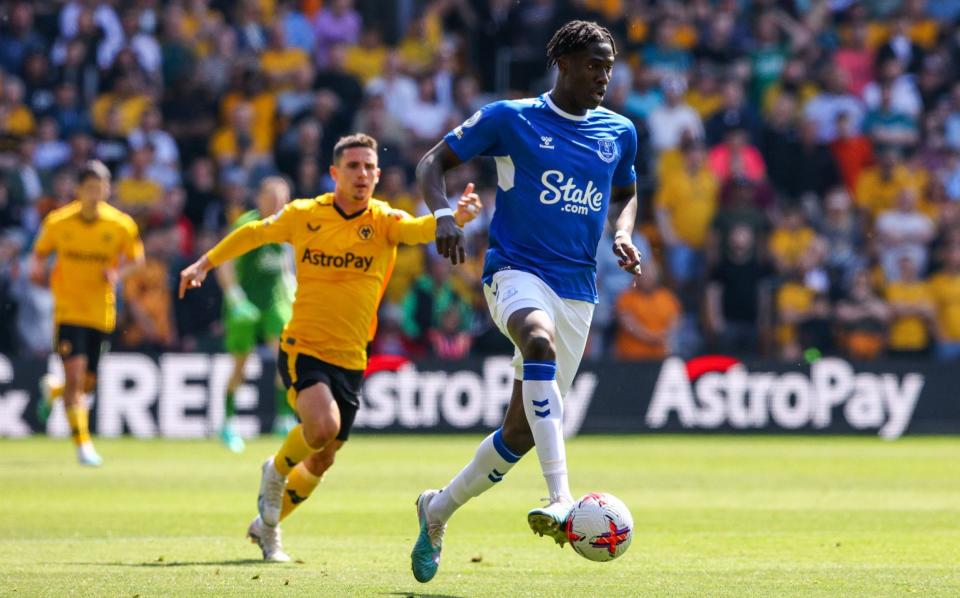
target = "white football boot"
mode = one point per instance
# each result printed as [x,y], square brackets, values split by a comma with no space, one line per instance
[87,455]
[270,499]
[267,537]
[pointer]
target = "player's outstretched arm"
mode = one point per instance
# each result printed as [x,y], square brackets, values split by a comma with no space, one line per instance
[622,216]
[430,173]
[275,229]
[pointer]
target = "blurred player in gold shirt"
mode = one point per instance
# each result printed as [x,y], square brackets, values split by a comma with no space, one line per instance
[94,244]
[345,244]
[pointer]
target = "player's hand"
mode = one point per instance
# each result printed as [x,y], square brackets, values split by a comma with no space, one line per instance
[628,254]
[112,275]
[450,236]
[193,275]
[468,206]
[38,274]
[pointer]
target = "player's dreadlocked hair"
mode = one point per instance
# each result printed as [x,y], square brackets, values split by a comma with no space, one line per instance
[575,36]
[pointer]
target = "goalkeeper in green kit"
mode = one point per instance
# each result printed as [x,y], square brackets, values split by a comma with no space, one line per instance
[258,295]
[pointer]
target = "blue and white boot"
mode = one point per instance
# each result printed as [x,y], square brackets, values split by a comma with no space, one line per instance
[425,558]
[551,520]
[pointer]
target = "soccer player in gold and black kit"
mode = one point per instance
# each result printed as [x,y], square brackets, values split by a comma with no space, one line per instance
[94,244]
[345,243]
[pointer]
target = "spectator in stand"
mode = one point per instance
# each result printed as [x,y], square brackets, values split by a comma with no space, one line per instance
[197,315]
[166,156]
[705,95]
[792,240]
[945,288]
[685,204]
[900,47]
[647,316]
[450,340]
[23,182]
[366,59]
[213,68]
[136,192]
[232,144]
[336,23]
[612,282]
[879,185]
[803,311]
[336,79]
[718,47]
[281,62]
[428,300]
[734,114]
[111,146]
[904,97]
[51,151]
[18,38]
[842,231]
[664,56]
[204,208]
[736,157]
[904,231]
[855,58]
[38,81]
[16,119]
[913,312]
[734,294]
[834,100]
[297,28]
[862,319]
[427,118]
[146,321]
[852,151]
[127,99]
[668,122]
[254,91]
[886,126]
[795,83]
[398,90]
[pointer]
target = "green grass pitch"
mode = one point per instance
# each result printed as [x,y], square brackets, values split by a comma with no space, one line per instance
[715,516]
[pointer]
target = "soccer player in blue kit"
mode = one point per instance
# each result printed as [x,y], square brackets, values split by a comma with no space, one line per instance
[563,165]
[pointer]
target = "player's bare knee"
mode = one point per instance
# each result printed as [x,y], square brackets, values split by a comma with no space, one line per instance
[320,431]
[538,345]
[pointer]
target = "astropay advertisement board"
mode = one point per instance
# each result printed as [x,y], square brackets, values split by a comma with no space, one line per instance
[179,395]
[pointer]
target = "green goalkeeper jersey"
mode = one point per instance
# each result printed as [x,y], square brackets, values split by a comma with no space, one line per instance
[260,271]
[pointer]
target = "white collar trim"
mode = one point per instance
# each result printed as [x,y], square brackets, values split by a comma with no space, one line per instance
[562,112]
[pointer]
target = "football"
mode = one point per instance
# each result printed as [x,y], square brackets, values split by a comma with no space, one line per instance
[600,527]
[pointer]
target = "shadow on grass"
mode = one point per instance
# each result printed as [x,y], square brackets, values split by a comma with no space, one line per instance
[161,564]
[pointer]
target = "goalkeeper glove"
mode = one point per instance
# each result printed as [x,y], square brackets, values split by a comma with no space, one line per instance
[239,309]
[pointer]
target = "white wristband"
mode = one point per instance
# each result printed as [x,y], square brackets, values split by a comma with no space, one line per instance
[443,212]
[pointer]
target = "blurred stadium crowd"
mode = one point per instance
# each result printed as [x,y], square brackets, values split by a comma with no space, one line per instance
[799,164]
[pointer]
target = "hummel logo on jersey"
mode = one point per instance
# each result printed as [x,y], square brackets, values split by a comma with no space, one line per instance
[547,142]
[313,228]
[575,199]
[350,260]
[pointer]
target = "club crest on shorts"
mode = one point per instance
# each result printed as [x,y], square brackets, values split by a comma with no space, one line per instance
[607,150]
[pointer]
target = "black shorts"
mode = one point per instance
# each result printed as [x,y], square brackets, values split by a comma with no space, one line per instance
[300,371]
[71,340]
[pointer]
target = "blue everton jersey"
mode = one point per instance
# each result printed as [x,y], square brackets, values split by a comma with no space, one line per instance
[555,171]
